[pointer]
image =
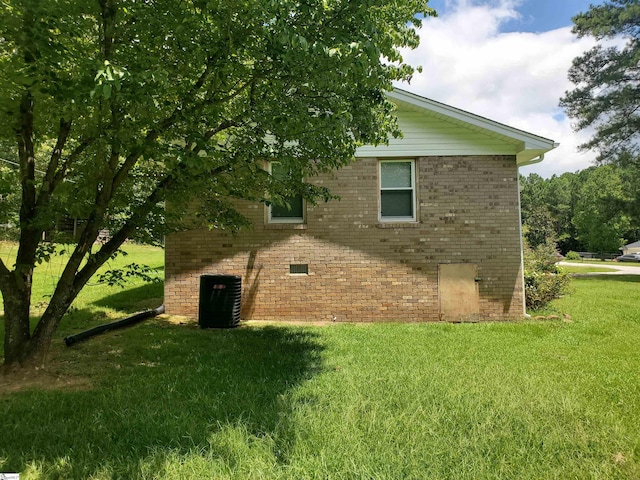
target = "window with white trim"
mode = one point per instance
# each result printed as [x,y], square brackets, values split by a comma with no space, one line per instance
[397,191]
[293,209]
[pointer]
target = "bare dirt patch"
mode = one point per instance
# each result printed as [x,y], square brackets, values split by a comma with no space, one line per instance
[24,379]
[180,320]
[177,319]
[283,323]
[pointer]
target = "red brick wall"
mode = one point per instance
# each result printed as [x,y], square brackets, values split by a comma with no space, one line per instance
[360,269]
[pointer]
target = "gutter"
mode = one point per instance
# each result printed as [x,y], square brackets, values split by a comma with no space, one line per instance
[533,161]
[537,160]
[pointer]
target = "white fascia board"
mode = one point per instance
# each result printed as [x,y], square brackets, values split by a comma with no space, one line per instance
[531,146]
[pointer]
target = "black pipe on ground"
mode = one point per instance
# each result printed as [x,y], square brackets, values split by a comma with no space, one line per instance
[138,317]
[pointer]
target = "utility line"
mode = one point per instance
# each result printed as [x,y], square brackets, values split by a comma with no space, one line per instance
[17,164]
[39,171]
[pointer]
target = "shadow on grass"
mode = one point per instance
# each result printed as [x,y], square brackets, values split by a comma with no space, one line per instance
[613,278]
[135,299]
[157,391]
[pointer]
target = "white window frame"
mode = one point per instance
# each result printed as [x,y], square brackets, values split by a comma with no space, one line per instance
[412,188]
[271,219]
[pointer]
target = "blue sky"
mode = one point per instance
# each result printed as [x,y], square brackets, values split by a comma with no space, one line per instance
[536,15]
[545,15]
[506,60]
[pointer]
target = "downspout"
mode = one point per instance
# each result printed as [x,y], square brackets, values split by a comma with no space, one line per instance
[538,159]
[106,327]
[524,297]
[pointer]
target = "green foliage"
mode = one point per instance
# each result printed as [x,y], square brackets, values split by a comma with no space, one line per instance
[606,98]
[596,209]
[9,196]
[607,80]
[115,109]
[600,223]
[571,255]
[539,226]
[9,233]
[122,276]
[543,280]
[237,84]
[547,210]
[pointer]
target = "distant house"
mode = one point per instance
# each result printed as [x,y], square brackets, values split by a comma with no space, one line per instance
[631,248]
[427,229]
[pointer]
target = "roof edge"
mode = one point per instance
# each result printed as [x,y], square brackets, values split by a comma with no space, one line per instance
[537,144]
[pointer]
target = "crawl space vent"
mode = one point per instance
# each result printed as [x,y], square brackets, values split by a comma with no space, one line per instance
[299,269]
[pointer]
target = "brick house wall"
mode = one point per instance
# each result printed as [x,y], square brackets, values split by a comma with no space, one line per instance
[358,268]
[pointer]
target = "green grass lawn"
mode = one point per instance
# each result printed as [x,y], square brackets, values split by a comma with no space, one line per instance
[163,399]
[578,266]
[585,269]
[603,262]
[100,299]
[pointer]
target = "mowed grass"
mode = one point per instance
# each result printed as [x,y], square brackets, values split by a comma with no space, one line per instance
[96,299]
[603,262]
[164,399]
[585,269]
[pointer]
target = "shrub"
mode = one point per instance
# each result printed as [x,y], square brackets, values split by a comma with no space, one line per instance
[572,255]
[9,233]
[543,281]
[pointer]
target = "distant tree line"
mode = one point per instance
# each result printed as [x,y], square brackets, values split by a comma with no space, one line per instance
[595,210]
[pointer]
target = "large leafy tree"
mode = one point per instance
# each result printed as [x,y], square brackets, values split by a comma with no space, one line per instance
[547,210]
[599,221]
[112,107]
[589,210]
[607,80]
[539,227]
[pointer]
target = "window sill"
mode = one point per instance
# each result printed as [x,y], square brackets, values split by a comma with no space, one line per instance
[285,226]
[398,225]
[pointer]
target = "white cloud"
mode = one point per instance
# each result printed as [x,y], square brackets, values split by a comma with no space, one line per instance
[515,78]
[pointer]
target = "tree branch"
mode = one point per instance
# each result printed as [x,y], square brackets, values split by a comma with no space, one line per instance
[109,248]
[108,11]
[4,271]
[73,156]
[48,185]
[73,278]
[24,134]
[178,113]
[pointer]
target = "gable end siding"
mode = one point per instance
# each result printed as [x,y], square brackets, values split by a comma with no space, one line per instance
[426,133]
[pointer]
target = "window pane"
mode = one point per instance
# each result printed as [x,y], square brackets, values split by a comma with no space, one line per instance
[395,174]
[397,203]
[294,210]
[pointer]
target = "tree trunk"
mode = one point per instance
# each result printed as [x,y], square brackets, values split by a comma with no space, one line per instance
[17,329]
[21,348]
